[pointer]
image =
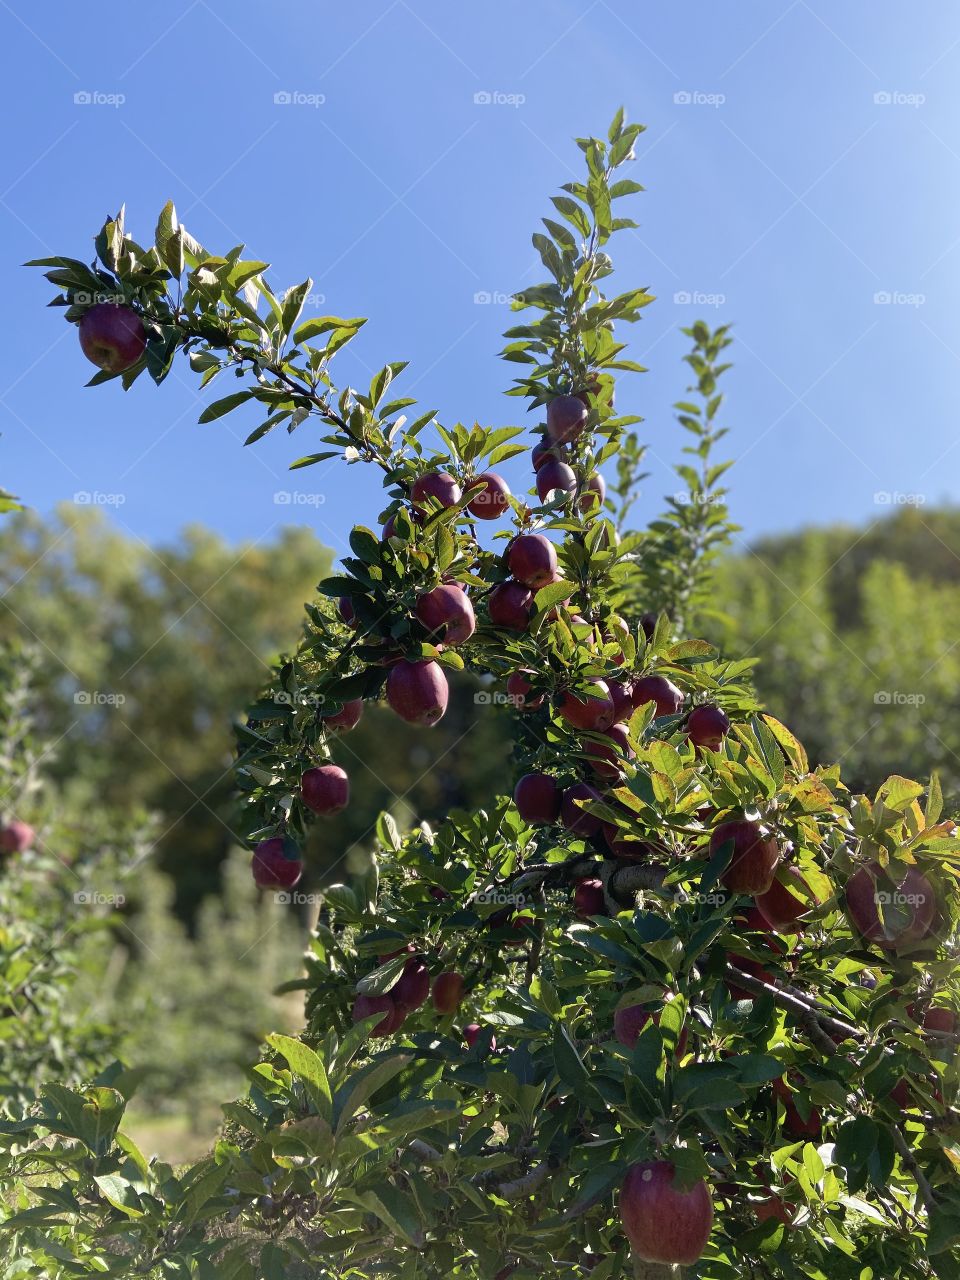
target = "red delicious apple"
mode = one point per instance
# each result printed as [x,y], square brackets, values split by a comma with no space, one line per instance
[939,1018]
[544,451]
[412,987]
[756,855]
[347,718]
[566,418]
[447,992]
[573,817]
[908,914]
[537,798]
[493,500]
[588,899]
[794,1124]
[606,760]
[532,559]
[347,612]
[518,687]
[276,864]
[510,605]
[390,528]
[438,485]
[629,1021]
[555,475]
[621,694]
[472,1032]
[648,624]
[660,690]
[593,493]
[447,610]
[367,1006]
[112,336]
[16,836]
[662,1224]
[780,907]
[707,727]
[594,712]
[774,1207]
[326,789]
[418,692]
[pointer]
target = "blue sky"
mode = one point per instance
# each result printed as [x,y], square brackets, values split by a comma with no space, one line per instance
[802,161]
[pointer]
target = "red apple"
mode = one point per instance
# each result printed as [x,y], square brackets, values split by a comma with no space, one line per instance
[347,612]
[418,692]
[593,493]
[566,418]
[707,727]
[573,817]
[606,760]
[537,798]
[367,1006]
[660,690]
[325,790]
[662,1224]
[493,500]
[16,836]
[112,336]
[594,712]
[621,694]
[774,1207]
[794,1124]
[447,992]
[555,475]
[532,559]
[390,528]
[756,855]
[939,1018]
[438,485]
[347,718]
[648,623]
[511,605]
[780,907]
[629,1021]
[276,864]
[472,1032]
[518,687]
[588,899]
[544,451]
[447,610]
[412,987]
[908,913]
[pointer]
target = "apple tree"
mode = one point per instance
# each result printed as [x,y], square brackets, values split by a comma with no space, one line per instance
[676,999]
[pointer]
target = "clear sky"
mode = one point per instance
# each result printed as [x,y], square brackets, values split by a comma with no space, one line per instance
[802,163]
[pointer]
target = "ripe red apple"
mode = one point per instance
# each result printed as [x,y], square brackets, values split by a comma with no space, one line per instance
[537,798]
[390,528]
[621,694]
[576,819]
[756,855]
[593,493]
[566,418]
[780,907]
[588,899]
[595,712]
[471,1033]
[774,1207]
[16,836]
[629,1021]
[939,1018]
[532,559]
[660,690]
[493,500]
[347,612]
[707,727]
[418,692]
[347,718]
[518,687]
[648,623]
[276,864]
[794,1124]
[435,484]
[908,914]
[606,760]
[367,1006]
[447,992]
[326,789]
[112,336]
[544,451]
[448,610]
[555,475]
[510,605]
[412,987]
[662,1224]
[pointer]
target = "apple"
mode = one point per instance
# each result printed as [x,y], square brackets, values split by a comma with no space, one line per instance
[939,1018]
[555,475]
[707,726]
[605,761]
[662,1224]
[774,1207]
[447,992]
[276,864]
[510,605]
[537,798]
[574,818]
[326,789]
[594,713]
[471,1033]
[493,500]
[347,718]
[347,612]
[418,692]
[438,485]
[589,899]
[593,493]
[629,1020]
[566,418]
[16,836]
[621,694]
[543,452]
[367,1006]
[390,528]
[518,687]
[532,559]
[648,623]
[908,914]
[780,907]
[755,858]
[794,1124]
[112,336]
[411,989]
[448,610]
[660,690]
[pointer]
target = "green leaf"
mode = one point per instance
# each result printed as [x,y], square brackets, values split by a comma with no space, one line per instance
[308,1067]
[226,405]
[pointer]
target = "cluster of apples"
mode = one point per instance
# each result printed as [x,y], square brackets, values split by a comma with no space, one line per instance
[410,992]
